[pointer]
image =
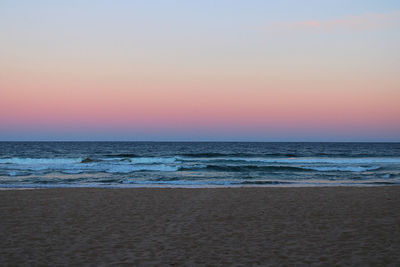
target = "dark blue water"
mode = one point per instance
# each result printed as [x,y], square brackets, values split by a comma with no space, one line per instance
[138,164]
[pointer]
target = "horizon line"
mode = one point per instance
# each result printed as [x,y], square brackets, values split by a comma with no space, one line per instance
[186,141]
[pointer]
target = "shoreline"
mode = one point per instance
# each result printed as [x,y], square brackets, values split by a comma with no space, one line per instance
[195,226]
[113,187]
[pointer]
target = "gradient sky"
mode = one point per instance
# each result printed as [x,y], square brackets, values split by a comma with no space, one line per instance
[200,70]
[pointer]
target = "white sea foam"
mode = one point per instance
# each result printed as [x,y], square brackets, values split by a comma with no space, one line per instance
[170,164]
[168,160]
[75,165]
[35,161]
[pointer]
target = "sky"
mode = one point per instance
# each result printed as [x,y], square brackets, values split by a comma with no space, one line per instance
[225,70]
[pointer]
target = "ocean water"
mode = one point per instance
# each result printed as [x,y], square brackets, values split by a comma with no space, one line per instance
[199,164]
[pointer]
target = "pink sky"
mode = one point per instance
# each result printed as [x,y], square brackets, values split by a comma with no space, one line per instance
[341,80]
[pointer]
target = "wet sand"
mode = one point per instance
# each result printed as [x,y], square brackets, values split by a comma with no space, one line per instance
[248,226]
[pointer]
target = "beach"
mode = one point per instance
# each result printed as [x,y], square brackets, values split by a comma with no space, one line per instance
[356,226]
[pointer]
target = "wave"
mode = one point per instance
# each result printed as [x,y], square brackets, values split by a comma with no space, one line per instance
[250,155]
[280,155]
[334,160]
[135,168]
[212,155]
[137,160]
[153,160]
[313,160]
[122,155]
[174,159]
[48,161]
[344,155]
[14,166]
[244,168]
[32,161]
[247,168]
[17,166]
[344,168]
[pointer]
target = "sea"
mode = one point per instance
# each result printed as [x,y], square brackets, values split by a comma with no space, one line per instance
[197,164]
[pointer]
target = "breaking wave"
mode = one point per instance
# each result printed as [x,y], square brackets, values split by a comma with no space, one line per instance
[35,161]
[247,168]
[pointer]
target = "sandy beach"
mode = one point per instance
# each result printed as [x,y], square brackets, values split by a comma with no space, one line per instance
[221,226]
